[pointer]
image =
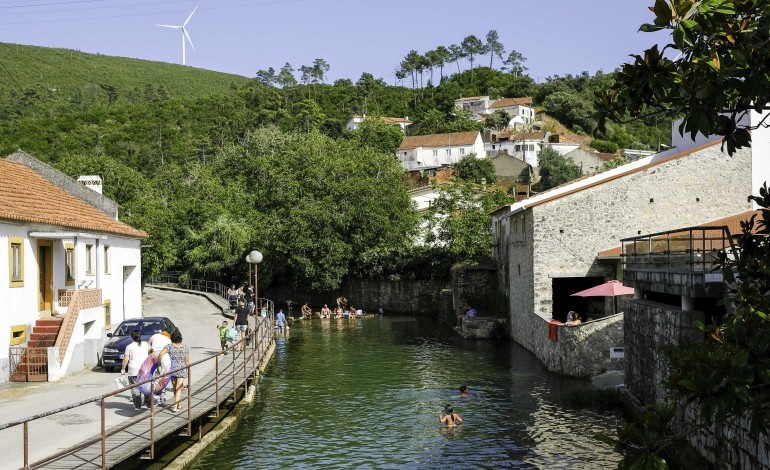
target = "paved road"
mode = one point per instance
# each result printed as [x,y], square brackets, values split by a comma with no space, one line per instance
[196,318]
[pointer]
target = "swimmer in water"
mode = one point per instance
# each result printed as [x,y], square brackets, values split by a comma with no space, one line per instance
[450,418]
[463,391]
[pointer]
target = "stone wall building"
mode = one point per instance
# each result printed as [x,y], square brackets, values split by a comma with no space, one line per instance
[676,286]
[546,246]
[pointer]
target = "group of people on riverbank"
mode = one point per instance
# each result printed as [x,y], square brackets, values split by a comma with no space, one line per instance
[343,310]
[169,353]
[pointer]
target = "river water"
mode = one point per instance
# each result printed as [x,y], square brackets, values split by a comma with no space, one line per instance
[367,393]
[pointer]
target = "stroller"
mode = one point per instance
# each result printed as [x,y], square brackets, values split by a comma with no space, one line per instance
[233,300]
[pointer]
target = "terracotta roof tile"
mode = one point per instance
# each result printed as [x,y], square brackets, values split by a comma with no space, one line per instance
[438,140]
[28,197]
[505,102]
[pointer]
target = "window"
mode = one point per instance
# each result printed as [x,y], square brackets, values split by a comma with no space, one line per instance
[448,152]
[16,261]
[517,148]
[435,153]
[90,260]
[69,264]
[462,151]
[107,267]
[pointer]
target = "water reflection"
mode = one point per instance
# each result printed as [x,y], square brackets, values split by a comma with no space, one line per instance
[368,394]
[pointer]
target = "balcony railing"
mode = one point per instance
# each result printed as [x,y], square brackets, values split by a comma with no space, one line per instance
[688,250]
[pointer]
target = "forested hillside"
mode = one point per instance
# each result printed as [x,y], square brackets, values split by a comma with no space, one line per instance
[212,165]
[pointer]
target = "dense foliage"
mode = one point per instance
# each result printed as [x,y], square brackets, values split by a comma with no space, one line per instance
[213,165]
[460,223]
[475,170]
[555,170]
[719,70]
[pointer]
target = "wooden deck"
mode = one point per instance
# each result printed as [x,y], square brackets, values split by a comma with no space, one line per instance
[135,438]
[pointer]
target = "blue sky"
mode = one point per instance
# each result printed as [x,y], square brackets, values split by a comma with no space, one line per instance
[242,36]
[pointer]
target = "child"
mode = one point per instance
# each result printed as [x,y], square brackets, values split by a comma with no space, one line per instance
[223,334]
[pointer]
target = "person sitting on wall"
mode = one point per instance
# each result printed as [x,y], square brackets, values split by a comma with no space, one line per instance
[325,312]
[573,318]
[306,311]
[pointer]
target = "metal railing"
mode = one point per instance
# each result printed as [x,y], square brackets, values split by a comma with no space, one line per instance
[236,371]
[174,278]
[688,250]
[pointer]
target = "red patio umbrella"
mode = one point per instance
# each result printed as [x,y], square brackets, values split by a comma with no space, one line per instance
[611,288]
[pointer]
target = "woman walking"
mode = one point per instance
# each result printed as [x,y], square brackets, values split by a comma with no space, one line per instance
[180,354]
[133,358]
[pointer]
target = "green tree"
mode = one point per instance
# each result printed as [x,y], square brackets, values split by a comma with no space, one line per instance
[494,46]
[472,47]
[285,77]
[515,63]
[475,170]
[555,170]
[319,203]
[571,109]
[456,53]
[442,57]
[459,222]
[218,246]
[499,119]
[604,146]
[379,135]
[267,77]
[719,69]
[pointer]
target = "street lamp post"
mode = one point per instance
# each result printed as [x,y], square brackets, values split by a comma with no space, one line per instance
[255,258]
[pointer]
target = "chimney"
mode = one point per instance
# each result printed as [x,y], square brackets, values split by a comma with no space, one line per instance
[92,181]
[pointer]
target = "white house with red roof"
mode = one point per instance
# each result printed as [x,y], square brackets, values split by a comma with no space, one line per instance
[547,246]
[428,152]
[73,271]
[520,109]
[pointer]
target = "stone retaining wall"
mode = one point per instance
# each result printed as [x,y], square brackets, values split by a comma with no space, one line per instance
[650,326]
[580,350]
[413,297]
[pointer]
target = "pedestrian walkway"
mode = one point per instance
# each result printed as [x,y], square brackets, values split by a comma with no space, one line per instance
[52,433]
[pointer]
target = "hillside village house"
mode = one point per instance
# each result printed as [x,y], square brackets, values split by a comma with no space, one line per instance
[428,152]
[547,246]
[520,110]
[589,161]
[525,145]
[355,122]
[65,258]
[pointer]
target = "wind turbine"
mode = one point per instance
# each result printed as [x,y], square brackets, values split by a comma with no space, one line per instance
[184,34]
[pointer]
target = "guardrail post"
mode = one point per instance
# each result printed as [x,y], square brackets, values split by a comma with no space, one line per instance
[26,445]
[189,402]
[104,437]
[216,383]
[234,387]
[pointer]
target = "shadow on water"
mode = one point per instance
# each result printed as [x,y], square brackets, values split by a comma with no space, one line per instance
[368,393]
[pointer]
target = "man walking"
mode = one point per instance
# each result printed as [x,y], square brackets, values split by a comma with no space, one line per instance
[241,322]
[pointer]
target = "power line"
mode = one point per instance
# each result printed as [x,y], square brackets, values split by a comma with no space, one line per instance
[7,72]
[91,8]
[30,5]
[278,2]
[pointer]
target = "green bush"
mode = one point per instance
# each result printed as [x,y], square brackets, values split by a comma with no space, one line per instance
[604,146]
